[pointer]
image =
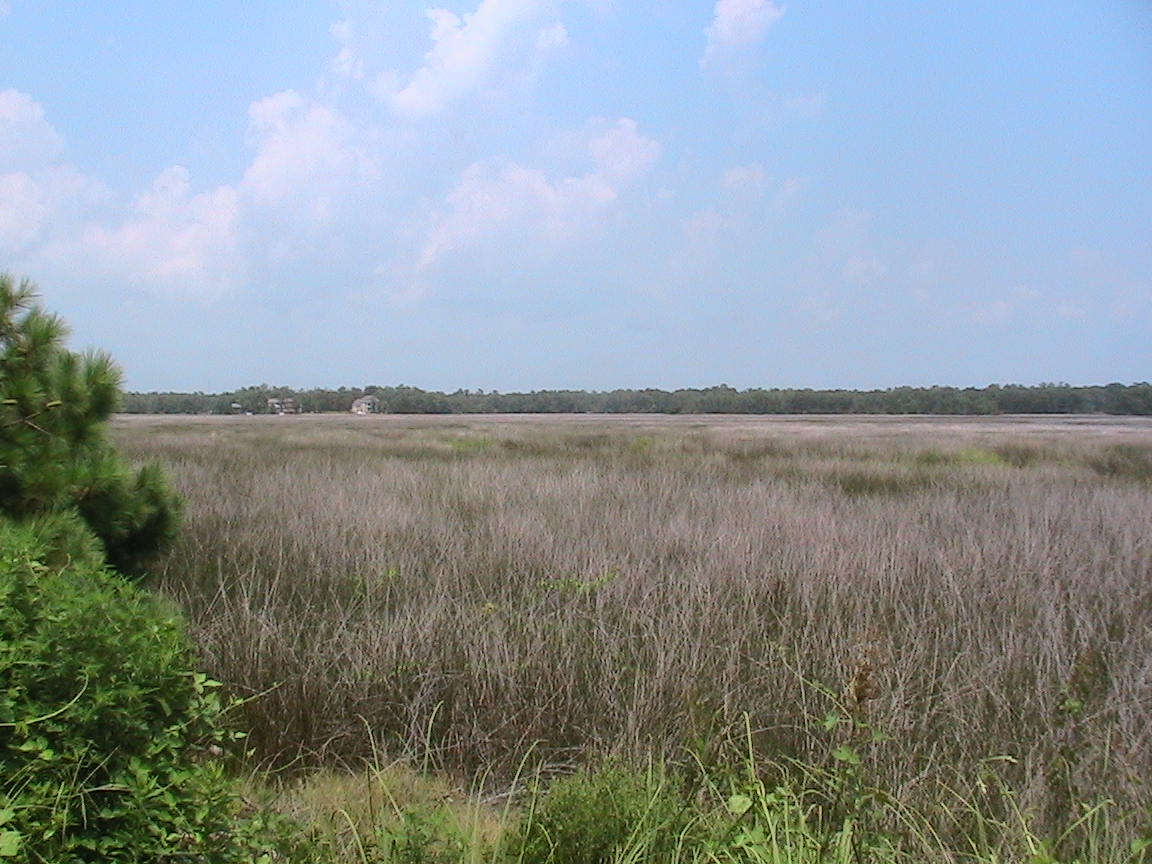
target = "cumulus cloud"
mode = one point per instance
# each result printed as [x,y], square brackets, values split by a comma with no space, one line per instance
[27,140]
[487,49]
[348,62]
[50,212]
[40,208]
[23,211]
[306,163]
[41,194]
[622,153]
[739,23]
[306,154]
[490,201]
[173,240]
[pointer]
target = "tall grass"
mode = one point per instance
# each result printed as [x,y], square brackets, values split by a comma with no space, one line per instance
[467,592]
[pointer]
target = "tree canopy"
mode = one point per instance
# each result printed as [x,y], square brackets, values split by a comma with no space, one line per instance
[1055,398]
[57,466]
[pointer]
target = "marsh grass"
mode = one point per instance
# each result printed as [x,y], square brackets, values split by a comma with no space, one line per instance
[740,812]
[392,812]
[466,592]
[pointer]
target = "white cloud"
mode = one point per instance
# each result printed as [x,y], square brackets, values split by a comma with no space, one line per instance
[23,211]
[50,212]
[5,8]
[305,155]
[622,153]
[348,62]
[41,207]
[52,216]
[308,164]
[173,240]
[500,42]
[550,39]
[27,140]
[738,23]
[41,195]
[495,201]
[489,201]
[308,172]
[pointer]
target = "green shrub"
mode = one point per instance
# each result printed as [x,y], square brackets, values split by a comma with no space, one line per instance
[107,737]
[423,835]
[592,816]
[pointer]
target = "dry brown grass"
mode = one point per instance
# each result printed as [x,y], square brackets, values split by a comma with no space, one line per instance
[465,588]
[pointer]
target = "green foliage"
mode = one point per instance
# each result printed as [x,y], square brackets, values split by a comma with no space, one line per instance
[765,825]
[595,815]
[106,737]
[423,835]
[1133,399]
[54,456]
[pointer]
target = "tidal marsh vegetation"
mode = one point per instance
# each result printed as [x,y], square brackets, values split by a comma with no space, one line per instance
[956,613]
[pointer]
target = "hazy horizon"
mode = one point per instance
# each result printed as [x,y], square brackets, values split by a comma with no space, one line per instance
[520,195]
[351,387]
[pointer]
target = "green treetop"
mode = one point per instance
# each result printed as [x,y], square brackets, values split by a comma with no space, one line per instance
[56,464]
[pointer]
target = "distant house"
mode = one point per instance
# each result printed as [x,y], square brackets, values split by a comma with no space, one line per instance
[366,405]
[283,406]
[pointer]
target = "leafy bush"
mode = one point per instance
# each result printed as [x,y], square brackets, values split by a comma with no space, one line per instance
[106,737]
[592,816]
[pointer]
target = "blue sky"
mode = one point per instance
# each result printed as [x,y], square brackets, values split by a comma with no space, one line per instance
[528,194]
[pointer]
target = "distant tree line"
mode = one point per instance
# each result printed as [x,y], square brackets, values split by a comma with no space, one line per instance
[722,399]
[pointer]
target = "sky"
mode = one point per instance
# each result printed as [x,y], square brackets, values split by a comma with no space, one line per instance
[586,194]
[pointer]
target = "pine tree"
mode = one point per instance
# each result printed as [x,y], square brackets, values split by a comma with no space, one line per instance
[56,463]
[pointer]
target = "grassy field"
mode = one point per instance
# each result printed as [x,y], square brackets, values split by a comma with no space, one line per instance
[949,608]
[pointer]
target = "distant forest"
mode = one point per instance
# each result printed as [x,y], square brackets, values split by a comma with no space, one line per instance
[722,399]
